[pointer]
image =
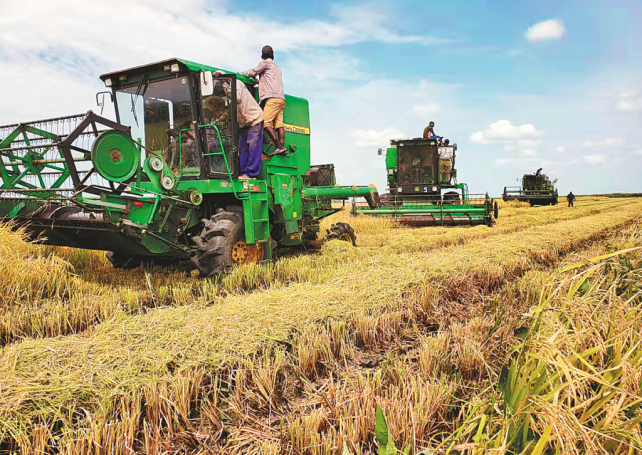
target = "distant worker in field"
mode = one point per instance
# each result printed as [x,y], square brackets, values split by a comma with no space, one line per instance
[271,96]
[570,198]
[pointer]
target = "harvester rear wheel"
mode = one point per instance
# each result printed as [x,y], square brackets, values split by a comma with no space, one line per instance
[221,243]
[342,231]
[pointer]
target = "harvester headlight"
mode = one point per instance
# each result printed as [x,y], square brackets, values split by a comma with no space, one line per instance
[107,82]
[434,188]
[399,190]
[166,68]
[175,68]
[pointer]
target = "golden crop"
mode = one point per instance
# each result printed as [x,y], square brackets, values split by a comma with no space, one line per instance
[292,356]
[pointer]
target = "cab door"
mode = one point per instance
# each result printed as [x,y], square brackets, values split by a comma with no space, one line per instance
[219,128]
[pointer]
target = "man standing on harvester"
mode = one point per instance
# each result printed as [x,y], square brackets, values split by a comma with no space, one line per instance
[271,96]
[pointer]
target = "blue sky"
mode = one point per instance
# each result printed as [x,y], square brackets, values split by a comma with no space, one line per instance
[517,84]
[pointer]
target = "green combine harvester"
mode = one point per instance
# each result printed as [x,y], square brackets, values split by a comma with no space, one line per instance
[423,187]
[536,189]
[160,184]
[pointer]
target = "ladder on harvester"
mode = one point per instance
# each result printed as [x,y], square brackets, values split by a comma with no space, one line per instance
[255,201]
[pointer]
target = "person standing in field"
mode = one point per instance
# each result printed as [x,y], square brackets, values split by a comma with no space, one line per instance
[271,96]
[570,198]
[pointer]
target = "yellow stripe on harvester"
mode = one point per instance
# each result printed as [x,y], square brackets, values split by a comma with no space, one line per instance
[296,129]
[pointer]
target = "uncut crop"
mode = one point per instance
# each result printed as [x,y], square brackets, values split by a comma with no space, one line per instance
[291,356]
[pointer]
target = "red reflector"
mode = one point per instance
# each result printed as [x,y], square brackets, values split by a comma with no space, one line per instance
[138,205]
[308,173]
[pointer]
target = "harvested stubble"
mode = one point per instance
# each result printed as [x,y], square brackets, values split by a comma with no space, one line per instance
[81,289]
[92,387]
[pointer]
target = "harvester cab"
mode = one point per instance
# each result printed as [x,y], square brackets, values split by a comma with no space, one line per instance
[422,180]
[160,184]
[536,189]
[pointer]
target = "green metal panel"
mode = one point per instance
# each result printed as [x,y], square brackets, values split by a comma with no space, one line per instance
[465,215]
[283,188]
[256,217]
[337,192]
[296,118]
[391,158]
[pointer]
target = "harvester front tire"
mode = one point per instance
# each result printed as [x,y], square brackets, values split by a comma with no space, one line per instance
[342,231]
[221,244]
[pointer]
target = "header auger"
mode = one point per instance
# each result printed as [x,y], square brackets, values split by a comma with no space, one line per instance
[160,184]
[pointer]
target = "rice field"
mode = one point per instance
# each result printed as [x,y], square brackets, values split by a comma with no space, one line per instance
[521,338]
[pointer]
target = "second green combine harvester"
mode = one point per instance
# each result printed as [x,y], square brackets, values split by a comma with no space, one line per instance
[536,189]
[422,181]
[160,183]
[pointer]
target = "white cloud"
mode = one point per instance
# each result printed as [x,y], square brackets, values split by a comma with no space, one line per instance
[596,159]
[552,29]
[509,161]
[425,111]
[208,27]
[504,131]
[374,19]
[561,149]
[608,142]
[373,138]
[629,101]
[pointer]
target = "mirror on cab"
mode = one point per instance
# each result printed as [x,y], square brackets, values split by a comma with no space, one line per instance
[100,100]
[207,83]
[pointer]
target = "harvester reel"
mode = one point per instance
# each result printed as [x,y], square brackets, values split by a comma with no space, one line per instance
[342,231]
[222,244]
